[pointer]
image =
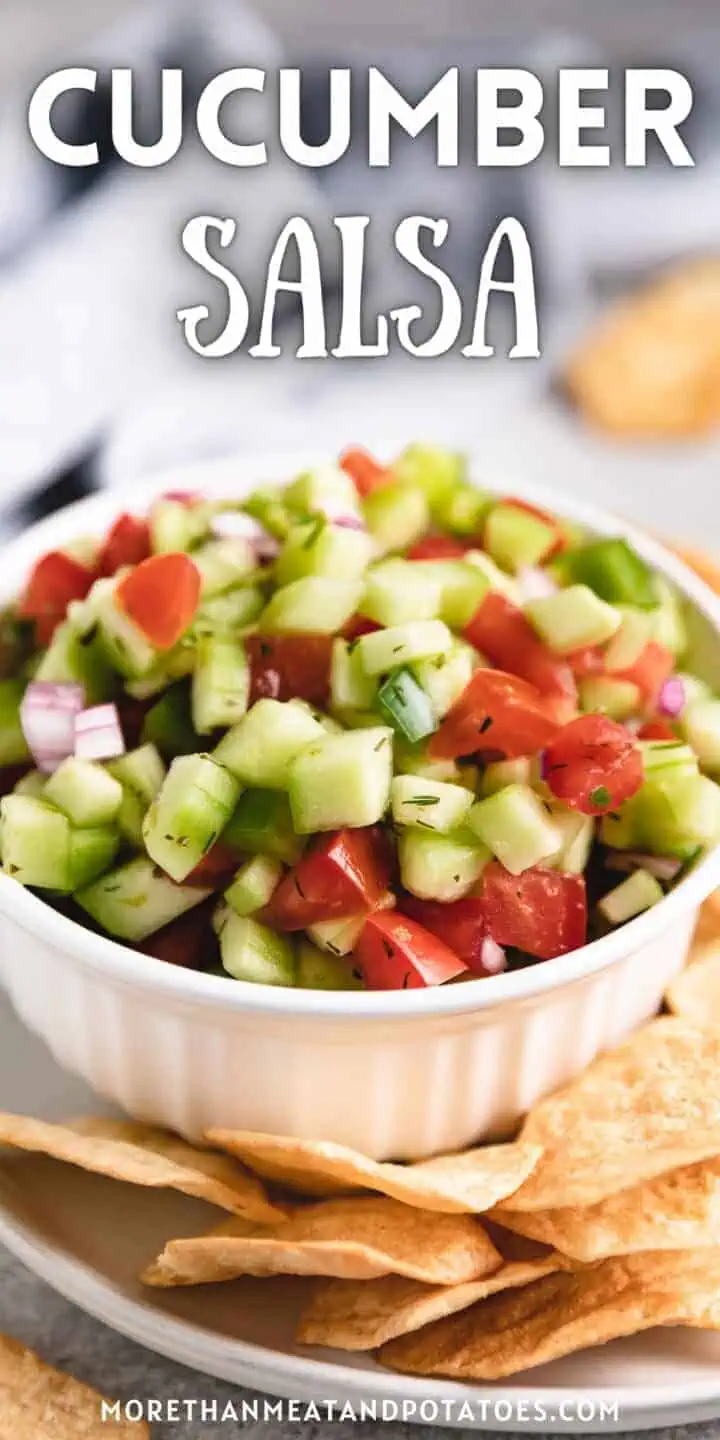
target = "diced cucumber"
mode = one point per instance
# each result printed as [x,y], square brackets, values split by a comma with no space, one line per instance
[671,815]
[269,505]
[173,665]
[620,829]
[397,591]
[326,722]
[141,773]
[168,725]
[614,571]
[700,724]
[662,757]
[221,684]
[175,526]
[694,687]
[433,470]
[78,658]
[227,614]
[577,834]
[254,885]
[85,792]
[464,509]
[224,564]
[341,780]
[396,516]
[91,853]
[262,825]
[185,819]
[670,629]
[318,547]
[498,580]
[314,604]
[259,750]
[440,867]
[31,784]
[464,588]
[402,644]
[137,899]
[403,703]
[125,646]
[338,937]
[628,643]
[414,760]
[639,892]
[13,745]
[40,848]
[429,804]
[318,970]
[514,538]
[501,773]
[350,687]
[604,695]
[327,487]
[572,619]
[444,677]
[250,951]
[515,825]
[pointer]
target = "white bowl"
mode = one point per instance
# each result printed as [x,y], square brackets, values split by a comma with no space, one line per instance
[400,1074]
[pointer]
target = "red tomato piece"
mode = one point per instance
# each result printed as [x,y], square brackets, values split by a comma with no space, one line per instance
[56,580]
[342,874]
[126,543]
[356,626]
[440,547]
[461,925]
[215,870]
[366,473]
[289,666]
[161,595]
[587,662]
[657,730]
[652,667]
[593,765]
[395,953]
[499,630]
[495,711]
[189,941]
[543,912]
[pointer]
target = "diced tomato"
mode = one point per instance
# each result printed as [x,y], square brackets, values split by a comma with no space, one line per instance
[495,711]
[356,626]
[395,953]
[560,542]
[161,595]
[342,874]
[440,547]
[587,662]
[188,941]
[460,925]
[290,666]
[543,912]
[366,473]
[652,667]
[657,730]
[126,543]
[216,869]
[593,765]
[500,631]
[56,580]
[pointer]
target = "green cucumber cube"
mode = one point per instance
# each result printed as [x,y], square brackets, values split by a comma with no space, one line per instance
[269,505]
[628,643]
[515,825]
[397,591]
[314,604]
[670,628]
[663,757]
[250,951]
[414,760]
[444,677]
[338,937]
[572,619]
[31,784]
[78,658]
[259,750]
[694,687]
[318,547]
[676,814]
[429,804]
[168,725]
[441,867]
[173,665]
[463,591]
[350,687]
[85,792]
[639,892]
[13,745]
[125,646]
[433,470]
[464,509]
[500,773]
[514,538]
[402,644]
[319,970]
[404,704]
[227,614]
[136,900]
[396,516]
[91,853]
[192,809]
[35,842]
[224,564]
[141,773]
[314,490]
[254,885]
[498,579]
[605,695]
[342,780]
[613,570]
[262,825]
[175,526]
[221,684]
[577,834]
[700,724]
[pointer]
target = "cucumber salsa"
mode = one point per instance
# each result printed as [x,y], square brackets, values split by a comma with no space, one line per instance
[372,729]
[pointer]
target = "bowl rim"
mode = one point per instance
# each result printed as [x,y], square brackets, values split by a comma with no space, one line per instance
[127,967]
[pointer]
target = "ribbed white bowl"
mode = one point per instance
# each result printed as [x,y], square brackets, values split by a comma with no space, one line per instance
[396,1074]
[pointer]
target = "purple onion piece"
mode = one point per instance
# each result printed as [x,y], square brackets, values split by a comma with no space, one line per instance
[672,699]
[663,867]
[534,583]
[98,733]
[492,956]
[47,718]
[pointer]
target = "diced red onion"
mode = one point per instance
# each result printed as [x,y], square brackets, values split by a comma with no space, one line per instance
[337,513]
[672,698]
[534,583]
[98,733]
[235,525]
[47,717]
[492,956]
[349,522]
[182,497]
[663,867]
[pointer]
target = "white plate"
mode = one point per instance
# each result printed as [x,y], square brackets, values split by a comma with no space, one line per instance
[88,1238]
